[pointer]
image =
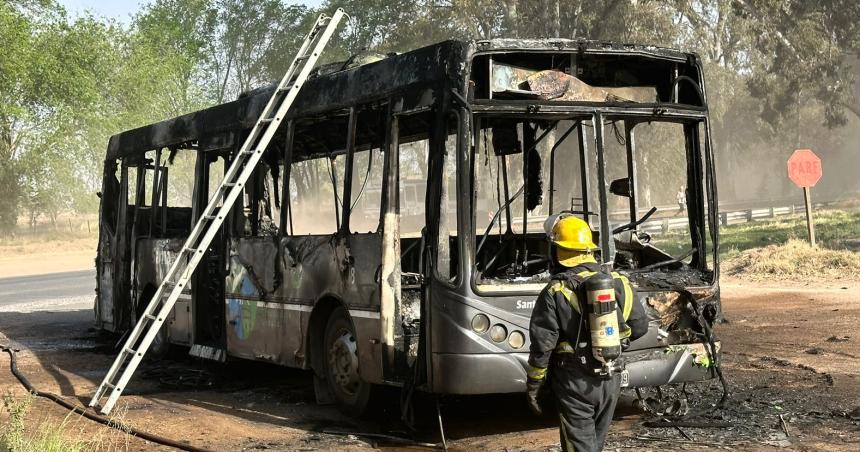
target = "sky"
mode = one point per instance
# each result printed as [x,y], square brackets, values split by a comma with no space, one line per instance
[122,10]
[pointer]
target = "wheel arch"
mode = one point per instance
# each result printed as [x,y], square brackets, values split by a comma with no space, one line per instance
[322,310]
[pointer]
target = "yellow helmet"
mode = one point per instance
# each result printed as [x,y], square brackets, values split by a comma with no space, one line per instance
[569,232]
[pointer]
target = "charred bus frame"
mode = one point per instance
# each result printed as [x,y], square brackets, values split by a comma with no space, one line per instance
[422,310]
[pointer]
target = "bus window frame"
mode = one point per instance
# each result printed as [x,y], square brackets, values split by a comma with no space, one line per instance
[454,282]
[708,187]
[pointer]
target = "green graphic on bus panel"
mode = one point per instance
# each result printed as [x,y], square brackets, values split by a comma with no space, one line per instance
[242,313]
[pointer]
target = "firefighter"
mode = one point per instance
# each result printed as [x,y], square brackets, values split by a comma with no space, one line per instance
[585,388]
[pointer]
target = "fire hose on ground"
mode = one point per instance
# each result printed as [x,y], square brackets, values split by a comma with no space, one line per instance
[89,414]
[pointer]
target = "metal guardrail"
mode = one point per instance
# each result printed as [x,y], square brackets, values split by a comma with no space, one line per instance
[674,218]
[728,217]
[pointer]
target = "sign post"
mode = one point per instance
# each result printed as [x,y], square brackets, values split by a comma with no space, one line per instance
[804,169]
[810,225]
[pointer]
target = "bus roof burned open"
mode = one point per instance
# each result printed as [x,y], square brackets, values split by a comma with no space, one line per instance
[465,148]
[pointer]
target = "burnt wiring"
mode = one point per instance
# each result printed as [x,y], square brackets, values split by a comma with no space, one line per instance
[657,265]
[692,82]
[337,201]
[142,434]
[618,135]
[710,345]
[708,341]
[366,178]
[496,217]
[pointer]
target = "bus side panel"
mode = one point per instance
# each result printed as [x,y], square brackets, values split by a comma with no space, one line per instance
[270,296]
[260,324]
[363,297]
[152,262]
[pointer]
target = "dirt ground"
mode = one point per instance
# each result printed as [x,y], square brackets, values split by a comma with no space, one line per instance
[791,356]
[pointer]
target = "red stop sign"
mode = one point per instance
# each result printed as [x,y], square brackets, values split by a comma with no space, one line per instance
[804,168]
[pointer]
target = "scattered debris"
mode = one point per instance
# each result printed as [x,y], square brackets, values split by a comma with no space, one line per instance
[782,424]
[386,438]
[778,439]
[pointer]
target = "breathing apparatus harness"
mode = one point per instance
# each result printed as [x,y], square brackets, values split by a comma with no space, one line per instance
[593,298]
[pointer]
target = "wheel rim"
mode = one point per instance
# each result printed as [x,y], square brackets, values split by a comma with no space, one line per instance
[343,362]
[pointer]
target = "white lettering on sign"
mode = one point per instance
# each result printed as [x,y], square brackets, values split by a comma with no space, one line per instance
[525,304]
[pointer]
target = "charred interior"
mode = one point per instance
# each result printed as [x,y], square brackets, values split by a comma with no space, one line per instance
[586,77]
[526,169]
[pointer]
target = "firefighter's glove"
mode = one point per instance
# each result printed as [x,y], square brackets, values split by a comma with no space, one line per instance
[625,344]
[532,392]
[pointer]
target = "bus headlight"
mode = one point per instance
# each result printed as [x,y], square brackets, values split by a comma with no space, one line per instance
[517,340]
[498,333]
[480,323]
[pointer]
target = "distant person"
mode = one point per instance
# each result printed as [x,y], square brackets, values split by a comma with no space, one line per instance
[682,201]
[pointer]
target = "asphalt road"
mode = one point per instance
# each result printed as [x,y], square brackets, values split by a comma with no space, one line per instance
[55,289]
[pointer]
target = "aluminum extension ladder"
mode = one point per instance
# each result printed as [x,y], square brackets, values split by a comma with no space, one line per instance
[213,216]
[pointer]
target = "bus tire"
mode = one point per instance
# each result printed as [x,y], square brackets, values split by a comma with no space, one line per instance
[340,348]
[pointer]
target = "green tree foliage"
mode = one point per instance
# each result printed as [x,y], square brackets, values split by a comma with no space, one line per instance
[254,43]
[806,47]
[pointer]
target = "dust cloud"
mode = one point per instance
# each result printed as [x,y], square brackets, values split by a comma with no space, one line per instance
[752,169]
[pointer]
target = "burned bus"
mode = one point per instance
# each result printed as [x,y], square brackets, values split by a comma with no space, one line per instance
[392,233]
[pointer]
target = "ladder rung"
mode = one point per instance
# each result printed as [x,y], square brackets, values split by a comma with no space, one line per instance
[110,385]
[266,120]
[150,316]
[210,217]
[130,351]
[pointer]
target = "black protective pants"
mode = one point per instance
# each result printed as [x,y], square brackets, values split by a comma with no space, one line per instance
[586,404]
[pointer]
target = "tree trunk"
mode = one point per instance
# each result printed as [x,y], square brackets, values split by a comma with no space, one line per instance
[511,23]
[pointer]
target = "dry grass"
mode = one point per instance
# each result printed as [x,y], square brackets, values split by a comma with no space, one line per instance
[48,243]
[47,252]
[836,229]
[46,437]
[796,258]
[25,432]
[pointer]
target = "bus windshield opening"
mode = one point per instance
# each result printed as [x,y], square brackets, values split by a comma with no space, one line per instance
[526,169]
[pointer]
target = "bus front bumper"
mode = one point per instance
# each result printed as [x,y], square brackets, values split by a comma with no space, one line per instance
[495,373]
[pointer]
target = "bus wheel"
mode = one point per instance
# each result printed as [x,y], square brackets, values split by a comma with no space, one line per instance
[341,365]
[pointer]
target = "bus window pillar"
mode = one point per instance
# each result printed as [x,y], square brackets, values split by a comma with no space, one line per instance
[286,203]
[347,172]
[586,176]
[607,244]
[389,279]
[631,170]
